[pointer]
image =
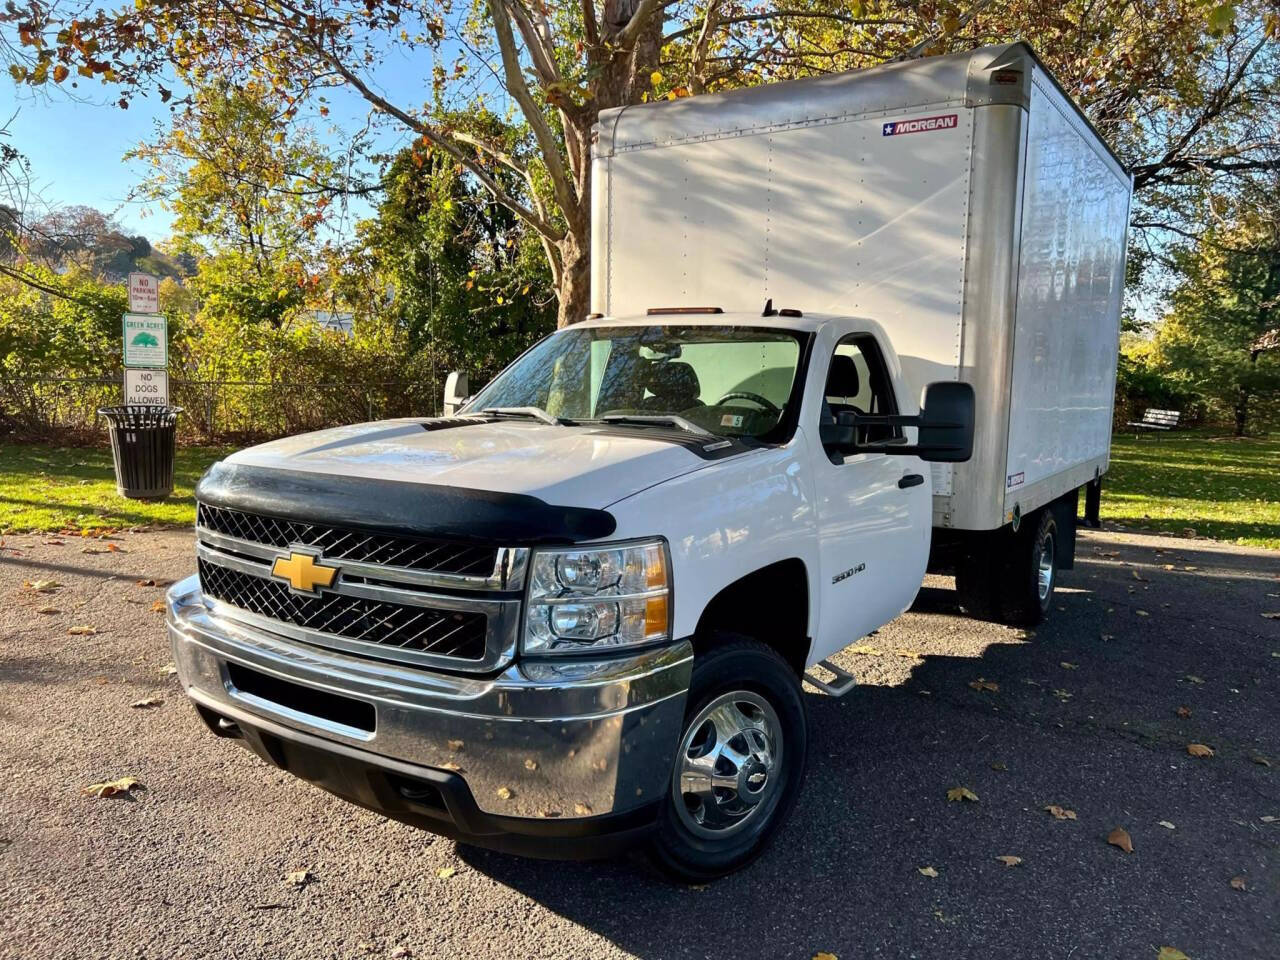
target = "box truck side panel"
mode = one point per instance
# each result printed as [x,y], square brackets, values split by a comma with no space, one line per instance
[849,217]
[1070,285]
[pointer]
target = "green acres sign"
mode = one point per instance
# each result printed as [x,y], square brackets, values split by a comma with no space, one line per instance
[146,340]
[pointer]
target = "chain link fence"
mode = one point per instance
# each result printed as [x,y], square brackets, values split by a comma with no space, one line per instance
[214,411]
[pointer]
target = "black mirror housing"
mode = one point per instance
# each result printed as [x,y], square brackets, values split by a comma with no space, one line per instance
[946,423]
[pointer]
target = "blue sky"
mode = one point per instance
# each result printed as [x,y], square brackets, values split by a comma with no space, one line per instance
[76,147]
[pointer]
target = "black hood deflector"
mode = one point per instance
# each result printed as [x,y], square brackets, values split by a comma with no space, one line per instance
[400,507]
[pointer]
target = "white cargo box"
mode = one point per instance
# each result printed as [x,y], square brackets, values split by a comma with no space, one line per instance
[963,202]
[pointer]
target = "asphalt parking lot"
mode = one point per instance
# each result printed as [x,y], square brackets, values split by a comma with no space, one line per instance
[1084,714]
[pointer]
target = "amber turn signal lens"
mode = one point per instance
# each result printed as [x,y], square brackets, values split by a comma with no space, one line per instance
[655,616]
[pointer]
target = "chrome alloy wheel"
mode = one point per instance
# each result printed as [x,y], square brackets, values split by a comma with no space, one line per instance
[1044,569]
[728,772]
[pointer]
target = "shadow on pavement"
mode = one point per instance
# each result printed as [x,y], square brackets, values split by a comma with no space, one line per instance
[1086,717]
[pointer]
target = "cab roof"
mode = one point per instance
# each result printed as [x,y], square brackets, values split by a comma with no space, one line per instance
[808,323]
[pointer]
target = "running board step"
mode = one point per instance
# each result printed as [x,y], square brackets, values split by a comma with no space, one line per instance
[842,684]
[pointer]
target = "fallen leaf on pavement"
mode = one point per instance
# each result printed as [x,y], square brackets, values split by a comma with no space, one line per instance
[48,608]
[1184,712]
[504,793]
[825,956]
[1166,824]
[1009,861]
[444,873]
[83,630]
[168,671]
[1060,813]
[909,654]
[299,878]
[1138,576]
[866,650]
[581,810]
[112,788]
[1142,613]
[147,703]
[927,871]
[1171,953]
[1269,819]
[42,586]
[456,744]
[1069,666]
[1062,694]
[1192,678]
[1271,616]
[999,766]
[400,952]
[1237,883]
[1119,837]
[1199,750]
[145,583]
[961,793]
[158,607]
[1259,759]
[981,684]
[93,550]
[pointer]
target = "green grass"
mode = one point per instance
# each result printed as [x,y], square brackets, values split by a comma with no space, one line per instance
[1224,488]
[74,488]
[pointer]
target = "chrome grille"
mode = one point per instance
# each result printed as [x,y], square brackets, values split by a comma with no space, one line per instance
[447,633]
[339,544]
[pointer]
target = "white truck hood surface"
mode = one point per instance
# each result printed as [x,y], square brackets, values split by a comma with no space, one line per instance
[570,466]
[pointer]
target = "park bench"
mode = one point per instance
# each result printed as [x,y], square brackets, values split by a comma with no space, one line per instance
[1157,421]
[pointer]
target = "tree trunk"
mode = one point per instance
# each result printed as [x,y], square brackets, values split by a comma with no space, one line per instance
[1241,410]
[575,277]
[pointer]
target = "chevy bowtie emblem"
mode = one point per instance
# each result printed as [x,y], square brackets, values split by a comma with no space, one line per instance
[303,573]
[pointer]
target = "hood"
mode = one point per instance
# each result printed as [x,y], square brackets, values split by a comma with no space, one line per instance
[588,466]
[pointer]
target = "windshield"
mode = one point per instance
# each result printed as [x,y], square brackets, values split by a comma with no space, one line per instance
[730,381]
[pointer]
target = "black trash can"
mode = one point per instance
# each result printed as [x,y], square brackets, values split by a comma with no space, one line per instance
[142,445]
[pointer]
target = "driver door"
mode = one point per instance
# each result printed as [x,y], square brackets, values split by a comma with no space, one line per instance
[874,510]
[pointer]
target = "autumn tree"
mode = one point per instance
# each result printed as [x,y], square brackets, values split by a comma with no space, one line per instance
[1186,89]
[1221,335]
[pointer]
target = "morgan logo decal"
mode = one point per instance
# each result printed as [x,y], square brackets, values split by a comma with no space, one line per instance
[947,121]
[302,572]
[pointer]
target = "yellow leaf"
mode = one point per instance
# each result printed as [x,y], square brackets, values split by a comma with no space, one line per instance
[299,878]
[865,650]
[655,78]
[581,810]
[1171,953]
[157,607]
[147,703]
[1119,837]
[455,745]
[504,793]
[82,631]
[927,871]
[1010,861]
[1060,813]
[1199,750]
[825,956]
[444,873]
[48,608]
[112,788]
[42,586]
[962,793]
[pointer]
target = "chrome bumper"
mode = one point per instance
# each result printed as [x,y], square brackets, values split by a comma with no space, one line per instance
[563,739]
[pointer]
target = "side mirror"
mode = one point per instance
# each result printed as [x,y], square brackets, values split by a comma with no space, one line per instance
[945,427]
[456,392]
[946,423]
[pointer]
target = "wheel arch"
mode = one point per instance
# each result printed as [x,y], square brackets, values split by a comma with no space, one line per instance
[770,604]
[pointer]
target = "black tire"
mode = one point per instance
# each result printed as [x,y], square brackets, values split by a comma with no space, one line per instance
[1022,603]
[734,665]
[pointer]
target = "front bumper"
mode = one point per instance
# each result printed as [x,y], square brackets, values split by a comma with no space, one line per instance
[527,760]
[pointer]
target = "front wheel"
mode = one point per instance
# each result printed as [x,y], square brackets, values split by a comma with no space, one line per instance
[739,763]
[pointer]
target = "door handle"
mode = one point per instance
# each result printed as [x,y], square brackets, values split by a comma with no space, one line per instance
[910,480]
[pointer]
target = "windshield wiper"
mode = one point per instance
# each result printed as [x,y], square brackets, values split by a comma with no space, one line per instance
[531,413]
[657,420]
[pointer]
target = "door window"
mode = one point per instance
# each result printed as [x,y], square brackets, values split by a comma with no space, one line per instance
[858,382]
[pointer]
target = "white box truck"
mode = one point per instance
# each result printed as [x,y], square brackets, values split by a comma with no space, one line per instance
[843,324]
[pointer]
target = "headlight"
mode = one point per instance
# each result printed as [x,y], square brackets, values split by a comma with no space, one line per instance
[598,597]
